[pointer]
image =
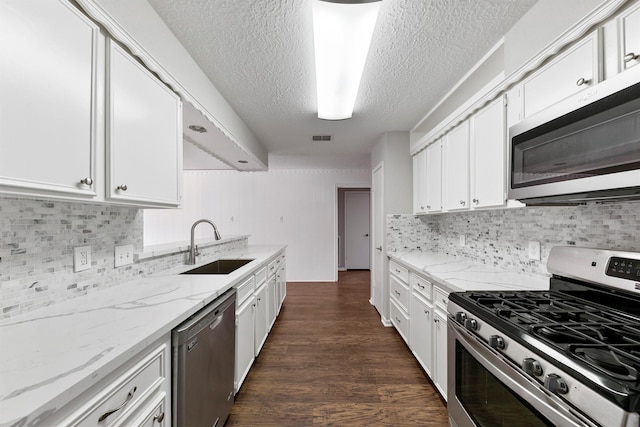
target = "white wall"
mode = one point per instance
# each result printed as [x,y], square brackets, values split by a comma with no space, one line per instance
[293,207]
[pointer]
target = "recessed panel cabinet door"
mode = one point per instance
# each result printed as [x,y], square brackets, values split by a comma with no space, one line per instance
[630,37]
[144,134]
[434,177]
[48,72]
[488,159]
[456,168]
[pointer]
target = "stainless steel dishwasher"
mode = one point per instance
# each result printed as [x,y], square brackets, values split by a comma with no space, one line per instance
[203,365]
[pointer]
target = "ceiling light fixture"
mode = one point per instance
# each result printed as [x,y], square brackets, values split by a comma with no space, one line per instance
[342,33]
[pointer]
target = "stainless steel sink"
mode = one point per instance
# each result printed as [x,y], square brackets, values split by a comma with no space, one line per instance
[221,266]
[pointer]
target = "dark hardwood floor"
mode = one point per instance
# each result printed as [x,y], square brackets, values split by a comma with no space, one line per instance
[329,361]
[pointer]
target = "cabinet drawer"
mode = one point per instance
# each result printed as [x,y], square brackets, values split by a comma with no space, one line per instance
[272,267]
[261,276]
[399,292]
[155,414]
[441,298]
[244,290]
[421,285]
[128,392]
[398,270]
[400,320]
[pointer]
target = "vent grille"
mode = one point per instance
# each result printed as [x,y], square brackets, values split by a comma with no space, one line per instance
[321,138]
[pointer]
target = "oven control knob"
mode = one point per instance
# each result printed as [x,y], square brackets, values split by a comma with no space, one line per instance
[496,341]
[461,316]
[471,324]
[555,384]
[531,366]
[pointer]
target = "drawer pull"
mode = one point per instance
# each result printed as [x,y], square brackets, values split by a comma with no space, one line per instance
[397,293]
[421,286]
[159,418]
[398,320]
[631,56]
[427,312]
[129,397]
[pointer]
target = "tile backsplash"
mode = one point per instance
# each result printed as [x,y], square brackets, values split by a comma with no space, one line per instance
[36,251]
[501,237]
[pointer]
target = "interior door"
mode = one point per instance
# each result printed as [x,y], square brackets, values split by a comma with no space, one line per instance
[357,227]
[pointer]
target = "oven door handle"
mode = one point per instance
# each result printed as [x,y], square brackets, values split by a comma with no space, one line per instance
[549,405]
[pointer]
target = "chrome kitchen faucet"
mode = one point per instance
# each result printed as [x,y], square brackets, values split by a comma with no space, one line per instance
[193,249]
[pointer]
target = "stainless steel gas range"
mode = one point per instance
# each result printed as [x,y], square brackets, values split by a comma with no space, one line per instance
[569,356]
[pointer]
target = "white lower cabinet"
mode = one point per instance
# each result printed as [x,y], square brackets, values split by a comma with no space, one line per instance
[422,322]
[421,332]
[245,332]
[262,322]
[272,301]
[137,394]
[439,373]
[258,299]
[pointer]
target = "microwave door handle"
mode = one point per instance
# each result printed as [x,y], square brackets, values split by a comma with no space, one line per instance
[535,395]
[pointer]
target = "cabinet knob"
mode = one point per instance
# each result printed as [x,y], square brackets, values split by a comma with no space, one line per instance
[122,187]
[631,56]
[86,181]
[159,418]
[582,81]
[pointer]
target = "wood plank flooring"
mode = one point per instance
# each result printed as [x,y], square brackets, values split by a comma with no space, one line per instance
[329,361]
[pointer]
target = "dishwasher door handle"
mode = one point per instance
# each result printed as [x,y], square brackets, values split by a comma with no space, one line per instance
[216,322]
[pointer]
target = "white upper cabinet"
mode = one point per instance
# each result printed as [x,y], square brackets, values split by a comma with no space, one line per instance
[456,168]
[420,182]
[572,71]
[144,133]
[488,156]
[434,177]
[629,25]
[48,82]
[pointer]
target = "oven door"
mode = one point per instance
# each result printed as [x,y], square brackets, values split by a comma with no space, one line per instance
[487,390]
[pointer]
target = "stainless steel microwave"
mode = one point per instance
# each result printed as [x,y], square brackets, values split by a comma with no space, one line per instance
[586,147]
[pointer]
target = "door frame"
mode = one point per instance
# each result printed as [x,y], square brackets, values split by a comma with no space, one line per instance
[352,185]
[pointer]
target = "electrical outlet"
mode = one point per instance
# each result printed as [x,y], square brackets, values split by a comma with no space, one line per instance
[534,251]
[81,258]
[123,255]
[462,240]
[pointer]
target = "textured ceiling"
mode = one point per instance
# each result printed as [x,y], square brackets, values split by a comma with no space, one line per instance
[259,54]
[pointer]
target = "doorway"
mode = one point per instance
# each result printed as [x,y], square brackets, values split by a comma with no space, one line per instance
[354,229]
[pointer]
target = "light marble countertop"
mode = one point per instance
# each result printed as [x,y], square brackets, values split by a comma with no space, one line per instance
[50,356]
[460,274]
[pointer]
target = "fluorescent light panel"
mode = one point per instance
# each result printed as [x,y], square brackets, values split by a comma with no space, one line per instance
[342,35]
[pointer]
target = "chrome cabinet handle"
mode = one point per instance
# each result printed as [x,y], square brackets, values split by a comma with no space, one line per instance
[422,207]
[379,248]
[630,57]
[159,418]
[428,206]
[86,181]
[421,286]
[427,312]
[129,397]
[462,202]
[582,81]
[398,320]
[122,187]
[476,201]
[397,293]
[436,320]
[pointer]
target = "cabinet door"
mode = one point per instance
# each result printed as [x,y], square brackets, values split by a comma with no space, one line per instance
[245,332]
[488,159]
[144,135]
[261,320]
[48,86]
[272,302]
[572,71]
[281,280]
[629,24]
[421,332]
[434,177]
[420,182]
[456,168]
[440,353]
